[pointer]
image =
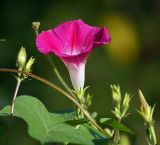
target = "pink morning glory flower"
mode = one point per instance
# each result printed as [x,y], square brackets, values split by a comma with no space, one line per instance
[72,42]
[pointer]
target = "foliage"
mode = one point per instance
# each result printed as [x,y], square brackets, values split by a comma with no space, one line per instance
[76,126]
[51,127]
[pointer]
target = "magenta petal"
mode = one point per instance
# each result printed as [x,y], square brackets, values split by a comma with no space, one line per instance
[72,38]
[72,42]
[101,37]
[75,59]
[73,35]
[48,42]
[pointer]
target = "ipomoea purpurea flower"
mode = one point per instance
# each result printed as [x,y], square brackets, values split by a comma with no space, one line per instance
[72,42]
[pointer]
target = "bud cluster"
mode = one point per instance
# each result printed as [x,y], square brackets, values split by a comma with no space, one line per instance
[23,64]
[122,104]
[146,111]
[84,99]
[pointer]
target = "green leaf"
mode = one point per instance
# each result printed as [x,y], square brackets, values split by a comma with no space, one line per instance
[48,127]
[115,125]
[61,117]
[68,117]
[42,127]
[76,122]
[92,134]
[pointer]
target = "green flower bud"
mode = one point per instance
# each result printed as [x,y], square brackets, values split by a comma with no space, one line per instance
[28,67]
[109,131]
[88,100]
[125,104]
[146,111]
[21,59]
[117,113]
[35,26]
[116,93]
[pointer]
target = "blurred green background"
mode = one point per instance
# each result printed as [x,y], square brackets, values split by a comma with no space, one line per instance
[131,60]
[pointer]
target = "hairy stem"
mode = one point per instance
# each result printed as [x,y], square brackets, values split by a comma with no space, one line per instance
[61,91]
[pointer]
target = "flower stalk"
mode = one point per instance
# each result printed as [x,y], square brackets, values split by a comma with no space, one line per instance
[84,100]
[72,42]
[152,134]
[146,112]
[61,80]
[22,65]
[12,109]
[121,108]
[15,95]
[80,96]
[35,26]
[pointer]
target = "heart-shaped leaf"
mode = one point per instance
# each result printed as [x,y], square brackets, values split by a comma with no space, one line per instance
[43,127]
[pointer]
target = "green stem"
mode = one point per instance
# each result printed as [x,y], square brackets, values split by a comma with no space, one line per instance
[80,113]
[78,110]
[53,86]
[36,32]
[15,95]
[59,76]
[12,109]
[153,139]
[117,134]
[117,137]
[80,97]
[62,81]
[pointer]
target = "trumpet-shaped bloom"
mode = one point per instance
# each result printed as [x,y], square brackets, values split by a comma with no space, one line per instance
[72,42]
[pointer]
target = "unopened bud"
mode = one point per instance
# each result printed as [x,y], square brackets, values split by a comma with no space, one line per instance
[109,131]
[88,100]
[145,110]
[125,104]
[116,93]
[28,67]
[21,59]
[117,113]
[35,26]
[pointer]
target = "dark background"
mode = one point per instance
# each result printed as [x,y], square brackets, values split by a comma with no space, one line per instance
[131,60]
